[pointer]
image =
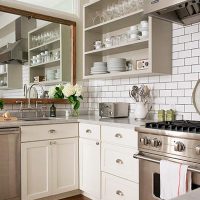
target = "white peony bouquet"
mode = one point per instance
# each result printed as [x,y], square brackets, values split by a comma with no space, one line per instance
[73,93]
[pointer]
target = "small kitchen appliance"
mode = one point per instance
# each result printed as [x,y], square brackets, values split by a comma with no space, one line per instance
[113,110]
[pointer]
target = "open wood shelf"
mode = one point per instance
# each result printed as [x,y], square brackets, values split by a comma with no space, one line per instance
[157,48]
[117,23]
[44,45]
[129,46]
[53,62]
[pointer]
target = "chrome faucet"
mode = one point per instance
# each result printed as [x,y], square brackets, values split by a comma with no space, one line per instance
[25,91]
[29,92]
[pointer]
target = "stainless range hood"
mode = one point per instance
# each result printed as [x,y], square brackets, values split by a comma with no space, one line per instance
[178,11]
[17,52]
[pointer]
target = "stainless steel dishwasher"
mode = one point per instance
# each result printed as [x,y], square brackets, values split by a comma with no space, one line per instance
[10,159]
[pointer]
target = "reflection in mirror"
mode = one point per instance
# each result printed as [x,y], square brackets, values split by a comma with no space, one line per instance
[33,51]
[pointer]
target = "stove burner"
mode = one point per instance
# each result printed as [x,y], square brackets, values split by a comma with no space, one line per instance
[178,125]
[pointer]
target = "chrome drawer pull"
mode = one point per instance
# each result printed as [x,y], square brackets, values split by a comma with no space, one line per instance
[88,131]
[52,131]
[119,161]
[120,193]
[52,142]
[118,135]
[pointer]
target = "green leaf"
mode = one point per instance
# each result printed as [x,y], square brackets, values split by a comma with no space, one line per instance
[71,99]
[81,97]
[77,105]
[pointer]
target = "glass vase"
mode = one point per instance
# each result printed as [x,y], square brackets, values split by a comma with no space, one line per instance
[74,113]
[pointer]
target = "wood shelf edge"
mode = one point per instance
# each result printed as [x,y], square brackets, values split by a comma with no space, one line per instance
[44,101]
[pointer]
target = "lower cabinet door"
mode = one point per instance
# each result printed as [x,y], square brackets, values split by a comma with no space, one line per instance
[36,176]
[65,165]
[114,188]
[89,165]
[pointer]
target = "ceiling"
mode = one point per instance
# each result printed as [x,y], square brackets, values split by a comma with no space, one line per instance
[63,5]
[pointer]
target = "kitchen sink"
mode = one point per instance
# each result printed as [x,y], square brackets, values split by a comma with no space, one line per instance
[37,119]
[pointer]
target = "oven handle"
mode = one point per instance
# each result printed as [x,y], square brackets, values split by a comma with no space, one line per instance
[138,156]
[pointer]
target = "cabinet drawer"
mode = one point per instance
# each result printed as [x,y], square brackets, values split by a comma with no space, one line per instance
[119,161]
[114,188]
[121,136]
[48,132]
[90,131]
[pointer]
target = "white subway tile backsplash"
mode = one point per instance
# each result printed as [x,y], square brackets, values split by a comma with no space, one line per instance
[195,68]
[184,54]
[184,85]
[191,45]
[165,93]
[171,101]
[178,77]
[184,70]
[192,29]
[165,79]
[178,47]
[178,32]
[184,100]
[185,38]
[191,77]
[195,36]
[192,61]
[172,85]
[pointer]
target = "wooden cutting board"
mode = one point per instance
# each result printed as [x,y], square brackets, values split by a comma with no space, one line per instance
[11,119]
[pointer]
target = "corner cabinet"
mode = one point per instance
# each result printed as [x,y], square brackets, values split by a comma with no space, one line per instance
[50,58]
[49,167]
[156,48]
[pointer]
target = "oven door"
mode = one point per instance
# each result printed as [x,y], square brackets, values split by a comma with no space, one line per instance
[149,179]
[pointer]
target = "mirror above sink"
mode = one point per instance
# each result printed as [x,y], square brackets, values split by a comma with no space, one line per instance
[34,51]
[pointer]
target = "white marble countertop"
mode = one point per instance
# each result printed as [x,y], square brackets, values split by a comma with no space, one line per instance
[194,195]
[118,122]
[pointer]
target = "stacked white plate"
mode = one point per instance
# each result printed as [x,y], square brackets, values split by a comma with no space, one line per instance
[116,65]
[99,68]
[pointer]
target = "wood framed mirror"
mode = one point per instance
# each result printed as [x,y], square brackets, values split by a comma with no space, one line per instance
[49,15]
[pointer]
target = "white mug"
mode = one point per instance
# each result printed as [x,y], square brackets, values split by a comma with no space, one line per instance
[144,23]
[145,33]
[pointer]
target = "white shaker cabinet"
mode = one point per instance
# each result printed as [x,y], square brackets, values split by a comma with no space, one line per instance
[89,160]
[49,167]
[36,170]
[65,165]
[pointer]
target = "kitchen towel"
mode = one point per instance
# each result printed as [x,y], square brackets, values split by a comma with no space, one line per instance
[175,180]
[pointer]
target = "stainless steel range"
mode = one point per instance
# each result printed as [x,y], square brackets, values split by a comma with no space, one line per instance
[177,141]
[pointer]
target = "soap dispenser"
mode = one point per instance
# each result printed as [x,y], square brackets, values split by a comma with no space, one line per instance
[53,111]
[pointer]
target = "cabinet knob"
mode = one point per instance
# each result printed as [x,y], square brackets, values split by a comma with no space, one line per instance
[88,131]
[52,131]
[119,161]
[118,135]
[97,143]
[120,193]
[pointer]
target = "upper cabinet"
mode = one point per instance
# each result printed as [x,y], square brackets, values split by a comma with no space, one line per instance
[8,74]
[50,54]
[119,29]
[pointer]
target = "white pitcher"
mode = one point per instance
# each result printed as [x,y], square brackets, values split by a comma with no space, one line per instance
[141,111]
